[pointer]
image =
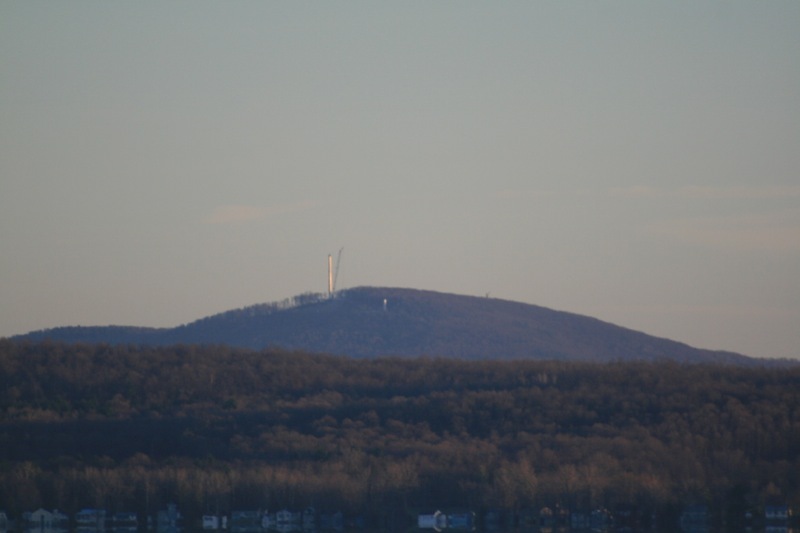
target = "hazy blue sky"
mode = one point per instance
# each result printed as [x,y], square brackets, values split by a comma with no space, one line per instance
[634,161]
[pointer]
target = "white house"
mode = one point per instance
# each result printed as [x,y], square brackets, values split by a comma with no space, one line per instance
[38,519]
[91,519]
[210,522]
[286,517]
[436,521]
[777,513]
[44,520]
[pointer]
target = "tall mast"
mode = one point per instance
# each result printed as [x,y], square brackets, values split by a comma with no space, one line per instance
[330,275]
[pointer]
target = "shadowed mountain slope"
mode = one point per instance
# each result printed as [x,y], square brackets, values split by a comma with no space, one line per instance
[412,323]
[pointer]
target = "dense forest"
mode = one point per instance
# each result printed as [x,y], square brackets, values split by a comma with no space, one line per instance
[217,428]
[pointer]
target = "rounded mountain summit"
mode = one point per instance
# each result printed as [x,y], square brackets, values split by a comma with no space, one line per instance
[374,321]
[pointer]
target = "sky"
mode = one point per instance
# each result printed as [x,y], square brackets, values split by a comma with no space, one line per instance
[638,162]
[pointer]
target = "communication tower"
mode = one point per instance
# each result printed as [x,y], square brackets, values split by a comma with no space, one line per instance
[333,275]
[330,275]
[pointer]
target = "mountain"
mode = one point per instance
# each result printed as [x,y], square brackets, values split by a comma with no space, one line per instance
[372,321]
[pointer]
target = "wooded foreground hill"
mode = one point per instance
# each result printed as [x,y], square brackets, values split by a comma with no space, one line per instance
[374,321]
[215,428]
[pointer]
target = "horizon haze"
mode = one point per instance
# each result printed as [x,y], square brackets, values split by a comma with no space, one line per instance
[637,163]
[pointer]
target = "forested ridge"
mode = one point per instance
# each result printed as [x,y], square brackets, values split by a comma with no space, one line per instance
[124,427]
[380,321]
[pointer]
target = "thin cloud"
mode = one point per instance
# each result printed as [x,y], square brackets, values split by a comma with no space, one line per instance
[241,214]
[533,193]
[516,194]
[235,214]
[738,192]
[774,232]
[637,191]
[693,192]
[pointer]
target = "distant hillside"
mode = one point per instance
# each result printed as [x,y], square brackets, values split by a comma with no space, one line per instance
[411,323]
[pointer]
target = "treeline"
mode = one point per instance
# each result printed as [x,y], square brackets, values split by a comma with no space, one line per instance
[215,429]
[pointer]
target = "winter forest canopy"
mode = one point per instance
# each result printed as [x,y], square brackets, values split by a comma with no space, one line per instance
[125,427]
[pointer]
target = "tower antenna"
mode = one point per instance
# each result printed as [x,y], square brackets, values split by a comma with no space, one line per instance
[330,275]
[336,271]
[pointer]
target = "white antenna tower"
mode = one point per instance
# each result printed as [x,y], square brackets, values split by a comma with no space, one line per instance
[336,271]
[333,275]
[330,275]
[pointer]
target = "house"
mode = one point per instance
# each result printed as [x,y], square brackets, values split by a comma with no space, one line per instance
[436,521]
[461,521]
[125,522]
[60,520]
[125,518]
[42,520]
[168,521]
[777,514]
[287,517]
[210,522]
[215,522]
[496,519]
[38,520]
[91,519]
[246,521]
